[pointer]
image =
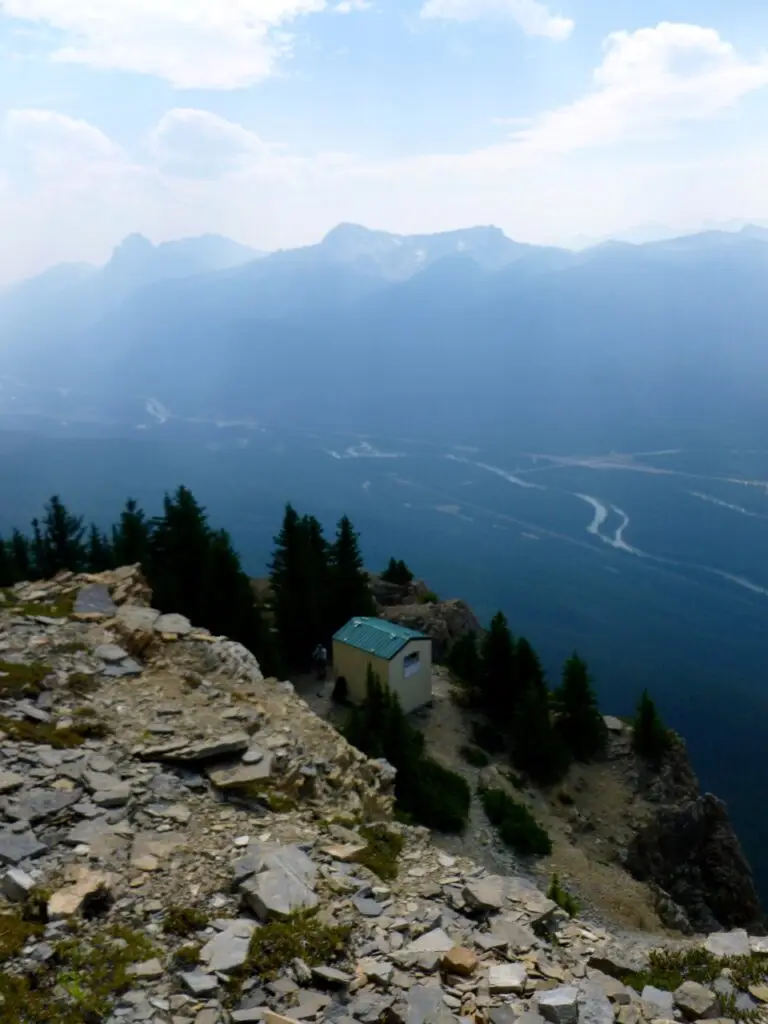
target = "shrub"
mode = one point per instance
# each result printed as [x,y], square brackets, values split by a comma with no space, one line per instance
[428,597]
[516,825]
[301,935]
[340,693]
[381,853]
[488,738]
[474,756]
[562,897]
[183,921]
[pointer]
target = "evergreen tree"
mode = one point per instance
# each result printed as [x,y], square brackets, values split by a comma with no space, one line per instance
[464,662]
[651,738]
[7,568]
[529,669]
[21,558]
[99,553]
[581,725]
[177,557]
[499,679]
[37,554]
[397,572]
[130,538]
[350,588]
[62,545]
[320,621]
[294,605]
[537,746]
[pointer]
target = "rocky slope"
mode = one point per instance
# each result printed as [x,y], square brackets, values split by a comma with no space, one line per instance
[164,811]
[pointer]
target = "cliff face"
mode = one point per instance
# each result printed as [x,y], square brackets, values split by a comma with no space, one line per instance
[690,850]
[409,605]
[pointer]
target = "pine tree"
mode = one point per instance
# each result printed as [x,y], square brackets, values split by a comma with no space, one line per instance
[21,558]
[317,554]
[293,602]
[581,724]
[397,572]
[37,554]
[350,588]
[529,669]
[500,687]
[99,552]
[177,557]
[464,662]
[7,568]
[130,538]
[62,545]
[651,738]
[537,747]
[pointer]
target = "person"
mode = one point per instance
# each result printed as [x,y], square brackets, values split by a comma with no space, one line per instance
[321,661]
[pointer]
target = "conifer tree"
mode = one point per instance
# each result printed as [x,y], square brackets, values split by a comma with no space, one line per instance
[21,558]
[397,572]
[37,556]
[350,587]
[61,543]
[581,725]
[7,569]
[293,602]
[130,538]
[464,662]
[651,738]
[499,681]
[177,557]
[529,669]
[537,746]
[99,550]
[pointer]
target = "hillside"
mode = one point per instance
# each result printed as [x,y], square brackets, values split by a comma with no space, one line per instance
[165,806]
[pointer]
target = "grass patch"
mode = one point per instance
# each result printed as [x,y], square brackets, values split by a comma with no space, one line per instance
[72,647]
[82,683]
[381,853]
[564,899]
[668,969]
[60,607]
[45,734]
[15,932]
[276,944]
[22,680]
[186,958]
[183,921]
[474,756]
[516,825]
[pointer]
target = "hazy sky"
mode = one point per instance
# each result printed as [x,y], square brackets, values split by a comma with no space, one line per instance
[272,120]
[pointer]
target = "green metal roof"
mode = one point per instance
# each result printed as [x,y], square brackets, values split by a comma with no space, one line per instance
[378,637]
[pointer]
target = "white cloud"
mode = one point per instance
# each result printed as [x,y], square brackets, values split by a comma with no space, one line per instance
[533,17]
[349,6]
[194,44]
[605,161]
[648,82]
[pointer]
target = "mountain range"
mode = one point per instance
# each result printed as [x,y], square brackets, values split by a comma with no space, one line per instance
[660,343]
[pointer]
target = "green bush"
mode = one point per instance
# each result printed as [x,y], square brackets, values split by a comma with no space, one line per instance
[515,823]
[562,897]
[474,756]
[428,597]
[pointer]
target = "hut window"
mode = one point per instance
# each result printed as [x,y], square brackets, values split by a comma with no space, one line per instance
[411,664]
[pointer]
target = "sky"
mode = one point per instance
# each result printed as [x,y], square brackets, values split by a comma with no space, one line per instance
[271,121]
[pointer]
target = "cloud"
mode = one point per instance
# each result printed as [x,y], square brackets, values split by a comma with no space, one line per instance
[648,82]
[193,44]
[349,6]
[198,144]
[47,146]
[533,17]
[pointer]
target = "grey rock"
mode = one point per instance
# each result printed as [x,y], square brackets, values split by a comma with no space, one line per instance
[759,944]
[696,1001]
[136,618]
[424,1005]
[208,750]
[253,754]
[116,797]
[178,624]
[366,907]
[242,775]
[110,653]
[248,1016]
[15,847]
[504,1014]
[277,892]
[594,1005]
[9,781]
[38,804]
[659,999]
[513,934]
[331,976]
[612,987]
[229,949]
[734,943]
[559,1005]
[150,970]
[369,1007]
[97,782]
[487,893]
[436,941]
[507,978]
[129,667]
[34,714]
[197,983]
[94,598]
[16,885]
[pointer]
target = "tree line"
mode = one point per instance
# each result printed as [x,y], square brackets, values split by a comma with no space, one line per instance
[543,730]
[316,585]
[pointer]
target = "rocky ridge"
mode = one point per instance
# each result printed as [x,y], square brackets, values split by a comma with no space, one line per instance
[185,842]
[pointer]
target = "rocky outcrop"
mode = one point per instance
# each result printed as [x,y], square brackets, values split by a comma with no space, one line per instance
[689,850]
[164,809]
[442,621]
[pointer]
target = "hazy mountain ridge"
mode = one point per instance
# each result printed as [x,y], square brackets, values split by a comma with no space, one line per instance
[664,337]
